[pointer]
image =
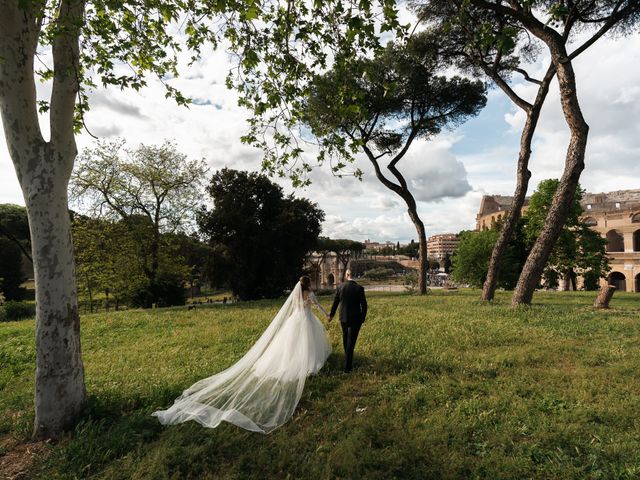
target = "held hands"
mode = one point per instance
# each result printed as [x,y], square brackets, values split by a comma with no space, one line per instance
[329,318]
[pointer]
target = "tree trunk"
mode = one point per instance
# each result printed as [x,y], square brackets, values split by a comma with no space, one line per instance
[422,250]
[522,184]
[43,170]
[523,176]
[604,297]
[402,190]
[60,391]
[574,164]
[90,292]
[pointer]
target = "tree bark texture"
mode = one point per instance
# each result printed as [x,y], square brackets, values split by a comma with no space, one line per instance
[43,170]
[604,297]
[522,184]
[422,250]
[574,164]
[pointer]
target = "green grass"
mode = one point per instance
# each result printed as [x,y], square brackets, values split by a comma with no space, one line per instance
[444,387]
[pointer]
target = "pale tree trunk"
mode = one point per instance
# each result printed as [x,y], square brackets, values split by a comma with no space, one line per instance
[522,177]
[43,169]
[574,164]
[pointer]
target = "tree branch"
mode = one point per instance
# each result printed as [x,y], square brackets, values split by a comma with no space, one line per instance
[616,16]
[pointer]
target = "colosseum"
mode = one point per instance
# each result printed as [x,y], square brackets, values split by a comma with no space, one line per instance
[615,215]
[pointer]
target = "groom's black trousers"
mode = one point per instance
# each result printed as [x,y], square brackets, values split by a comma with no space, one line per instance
[349,337]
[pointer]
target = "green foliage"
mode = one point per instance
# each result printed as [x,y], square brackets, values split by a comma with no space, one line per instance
[449,385]
[471,260]
[152,192]
[447,263]
[410,250]
[297,41]
[381,104]
[153,181]
[378,273]
[410,281]
[11,276]
[261,235]
[578,248]
[14,225]
[361,265]
[15,242]
[107,261]
[13,310]
[167,289]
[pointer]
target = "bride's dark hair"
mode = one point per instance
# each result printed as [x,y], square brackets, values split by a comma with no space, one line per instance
[305,282]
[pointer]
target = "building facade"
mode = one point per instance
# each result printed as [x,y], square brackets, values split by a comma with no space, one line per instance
[370,246]
[438,246]
[614,215]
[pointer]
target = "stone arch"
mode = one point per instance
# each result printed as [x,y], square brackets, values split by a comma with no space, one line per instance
[615,241]
[636,241]
[590,221]
[637,283]
[331,279]
[635,218]
[618,280]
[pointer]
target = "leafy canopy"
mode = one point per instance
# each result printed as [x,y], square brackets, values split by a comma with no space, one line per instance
[262,235]
[578,247]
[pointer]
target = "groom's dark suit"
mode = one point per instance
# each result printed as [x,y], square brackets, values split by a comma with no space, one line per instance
[353,311]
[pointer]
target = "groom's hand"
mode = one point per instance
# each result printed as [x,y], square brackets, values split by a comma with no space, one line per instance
[329,318]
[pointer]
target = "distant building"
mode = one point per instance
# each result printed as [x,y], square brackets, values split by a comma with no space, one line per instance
[438,246]
[615,215]
[493,208]
[370,246]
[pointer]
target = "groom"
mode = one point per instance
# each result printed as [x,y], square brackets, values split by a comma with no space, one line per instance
[353,311]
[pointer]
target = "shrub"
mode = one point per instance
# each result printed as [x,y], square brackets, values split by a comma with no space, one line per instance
[17,311]
[168,289]
[378,273]
[410,281]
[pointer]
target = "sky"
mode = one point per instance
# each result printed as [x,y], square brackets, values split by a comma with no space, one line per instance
[448,173]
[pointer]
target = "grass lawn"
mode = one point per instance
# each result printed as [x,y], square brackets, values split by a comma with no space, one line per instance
[444,387]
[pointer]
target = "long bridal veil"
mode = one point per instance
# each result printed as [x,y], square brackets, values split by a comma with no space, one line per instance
[261,391]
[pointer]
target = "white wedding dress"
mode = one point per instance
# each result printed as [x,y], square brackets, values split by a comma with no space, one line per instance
[261,391]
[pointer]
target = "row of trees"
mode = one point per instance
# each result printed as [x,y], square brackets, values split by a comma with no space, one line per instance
[140,204]
[143,233]
[580,250]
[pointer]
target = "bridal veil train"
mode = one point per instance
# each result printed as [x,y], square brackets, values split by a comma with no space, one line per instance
[261,391]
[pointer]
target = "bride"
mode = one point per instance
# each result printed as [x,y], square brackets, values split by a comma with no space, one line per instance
[260,391]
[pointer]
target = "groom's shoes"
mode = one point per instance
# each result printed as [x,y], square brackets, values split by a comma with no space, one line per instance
[347,370]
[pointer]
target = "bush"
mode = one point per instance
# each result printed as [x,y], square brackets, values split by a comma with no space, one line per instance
[17,311]
[410,281]
[591,280]
[378,273]
[168,289]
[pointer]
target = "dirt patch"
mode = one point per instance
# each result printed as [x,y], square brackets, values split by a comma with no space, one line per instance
[18,462]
